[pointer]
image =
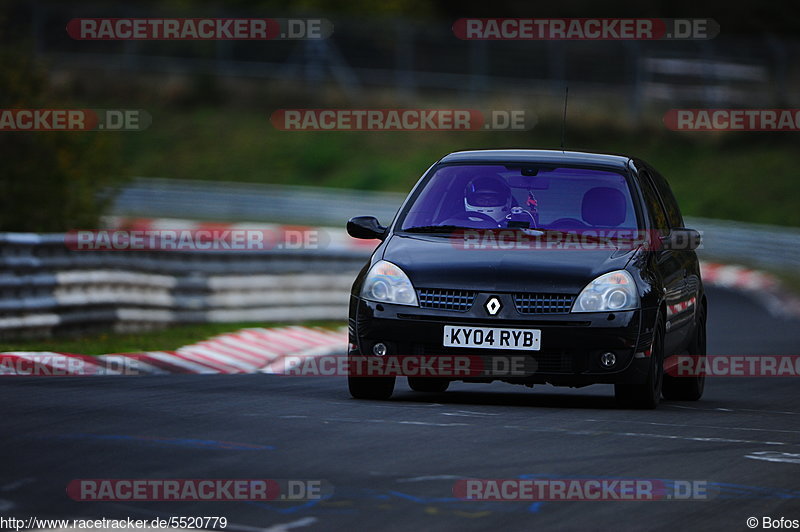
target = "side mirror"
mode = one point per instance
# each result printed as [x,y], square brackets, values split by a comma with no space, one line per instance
[366,227]
[682,239]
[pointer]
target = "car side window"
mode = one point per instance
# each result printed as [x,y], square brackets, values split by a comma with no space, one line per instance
[670,203]
[658,215]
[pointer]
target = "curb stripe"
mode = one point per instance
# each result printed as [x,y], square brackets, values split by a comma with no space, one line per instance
[246,351]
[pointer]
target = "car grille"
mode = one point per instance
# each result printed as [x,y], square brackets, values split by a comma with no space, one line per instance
[543,303]
[457,300]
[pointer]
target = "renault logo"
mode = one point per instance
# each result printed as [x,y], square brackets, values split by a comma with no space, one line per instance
[493,306]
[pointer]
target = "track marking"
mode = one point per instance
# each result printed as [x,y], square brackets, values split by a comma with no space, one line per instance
[644,435]
[423,423]
[770,411]
[15,485]
[396,406]
[305,521]
[426,423]
[774,456]
[429,477]
[697,438]
[732,410]
[692,426]
[467,413]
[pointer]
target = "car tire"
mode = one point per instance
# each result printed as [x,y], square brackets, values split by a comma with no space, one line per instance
[428,384]
[690,388]
[646,395]
[377,388]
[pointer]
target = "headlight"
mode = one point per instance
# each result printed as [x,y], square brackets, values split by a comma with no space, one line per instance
[608,293]
[387,283]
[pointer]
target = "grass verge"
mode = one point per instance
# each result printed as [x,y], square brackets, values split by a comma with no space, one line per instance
[160,340]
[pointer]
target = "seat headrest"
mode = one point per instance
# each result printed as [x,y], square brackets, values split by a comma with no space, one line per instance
[603,206]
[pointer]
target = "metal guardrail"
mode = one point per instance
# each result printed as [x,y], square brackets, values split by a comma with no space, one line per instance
[767,246]
[211,200]
[46,287]
[759,245]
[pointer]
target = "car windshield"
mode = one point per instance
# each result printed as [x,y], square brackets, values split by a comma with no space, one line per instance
[531,196]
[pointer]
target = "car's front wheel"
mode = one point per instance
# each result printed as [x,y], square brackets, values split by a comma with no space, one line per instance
[646,395]
[428,384]
[371,387]
[691,388]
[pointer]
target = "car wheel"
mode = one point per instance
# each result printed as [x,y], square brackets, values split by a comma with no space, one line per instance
[691,388]
[646,395]
[371,387]
[428,384]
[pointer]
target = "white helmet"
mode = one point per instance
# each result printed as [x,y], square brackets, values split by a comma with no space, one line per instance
[488,195]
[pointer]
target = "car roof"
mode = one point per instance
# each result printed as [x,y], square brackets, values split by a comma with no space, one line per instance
[538,156]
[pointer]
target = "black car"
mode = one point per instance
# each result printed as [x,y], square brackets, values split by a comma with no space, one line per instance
[575,266]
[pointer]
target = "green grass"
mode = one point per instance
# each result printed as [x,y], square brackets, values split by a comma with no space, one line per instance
[742,176]
[160,340]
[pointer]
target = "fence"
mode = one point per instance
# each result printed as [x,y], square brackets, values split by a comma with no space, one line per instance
[410,58]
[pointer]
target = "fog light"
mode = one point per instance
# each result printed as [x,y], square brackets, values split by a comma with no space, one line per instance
[608,360]
[379,349]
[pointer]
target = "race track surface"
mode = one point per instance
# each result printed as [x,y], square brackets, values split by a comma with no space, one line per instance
[393,463]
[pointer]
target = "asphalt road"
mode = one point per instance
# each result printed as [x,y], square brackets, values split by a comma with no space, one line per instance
[393,464]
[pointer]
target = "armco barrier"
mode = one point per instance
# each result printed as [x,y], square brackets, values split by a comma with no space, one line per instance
[45,287]
[768,246]
[755,244]
[230,201]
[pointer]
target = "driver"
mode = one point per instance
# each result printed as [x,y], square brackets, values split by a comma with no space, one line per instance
[490,196]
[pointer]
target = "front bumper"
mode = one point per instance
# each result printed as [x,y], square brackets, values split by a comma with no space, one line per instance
[569,355]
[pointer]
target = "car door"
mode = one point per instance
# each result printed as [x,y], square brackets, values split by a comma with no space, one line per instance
[669,267]
[690,299]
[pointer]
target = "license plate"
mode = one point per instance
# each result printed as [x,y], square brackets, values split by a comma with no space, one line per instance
[492,338]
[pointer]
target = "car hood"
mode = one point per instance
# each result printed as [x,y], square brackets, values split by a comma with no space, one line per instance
[438,262]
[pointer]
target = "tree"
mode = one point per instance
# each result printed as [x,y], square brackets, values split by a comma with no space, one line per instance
[49,181]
